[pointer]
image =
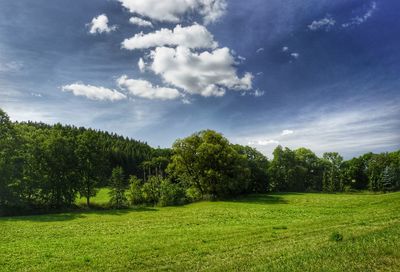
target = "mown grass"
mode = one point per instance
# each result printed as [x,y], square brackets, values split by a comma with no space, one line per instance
[279,232]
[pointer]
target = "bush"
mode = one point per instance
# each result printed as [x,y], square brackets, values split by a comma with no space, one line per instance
[171,194]
[151,190]
[118,199]
[192,195]
[135,191]
[336,236]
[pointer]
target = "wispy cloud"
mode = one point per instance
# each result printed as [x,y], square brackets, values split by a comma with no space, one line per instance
[140,22]
[358,20]
[325,24]
[346,129]
[94,92]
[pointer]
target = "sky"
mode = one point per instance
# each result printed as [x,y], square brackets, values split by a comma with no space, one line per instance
[319,74]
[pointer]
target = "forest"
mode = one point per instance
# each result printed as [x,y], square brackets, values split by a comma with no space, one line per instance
[45,168]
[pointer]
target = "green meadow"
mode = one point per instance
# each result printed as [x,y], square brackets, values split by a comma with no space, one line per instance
[276,232]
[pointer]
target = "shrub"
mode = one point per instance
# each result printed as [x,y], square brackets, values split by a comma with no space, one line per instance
[151,190]
[135,191]
[118,199]
[192,194]
[171,194]
[336,236]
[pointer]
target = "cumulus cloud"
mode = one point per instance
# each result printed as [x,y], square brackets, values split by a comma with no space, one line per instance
[100,25]
[93,92]
[174,10]
[206,73]
[145,89]
[195,36]
[358,20]
[140,22]
[326,23]
[285,49]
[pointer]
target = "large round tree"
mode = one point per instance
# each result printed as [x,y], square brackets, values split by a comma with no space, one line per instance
[207,162]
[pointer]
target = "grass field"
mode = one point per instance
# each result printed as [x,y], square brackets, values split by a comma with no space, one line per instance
[278,232]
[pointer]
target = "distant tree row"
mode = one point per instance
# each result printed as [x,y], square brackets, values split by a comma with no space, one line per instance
[45,167]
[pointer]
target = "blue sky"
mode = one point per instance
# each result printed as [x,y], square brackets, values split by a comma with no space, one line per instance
[315,73]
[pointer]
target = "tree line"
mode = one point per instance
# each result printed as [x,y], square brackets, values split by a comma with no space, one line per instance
[45,168]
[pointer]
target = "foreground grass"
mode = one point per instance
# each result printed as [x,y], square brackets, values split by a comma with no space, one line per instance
[279,232]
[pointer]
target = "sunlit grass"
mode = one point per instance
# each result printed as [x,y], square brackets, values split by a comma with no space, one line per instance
[279,232]
[101,199]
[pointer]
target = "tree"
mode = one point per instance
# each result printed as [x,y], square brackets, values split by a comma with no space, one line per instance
[118,187]
[151,190]
[332,177]
[7,145]
[309,169]
[258,165]
[208,162]
[92,164]
[60,177]
[283,171]
[135,191]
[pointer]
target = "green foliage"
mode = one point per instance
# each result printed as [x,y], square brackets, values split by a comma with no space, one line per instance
[332,178]
[135,191]
[151,190]
[209,163]
[45,167]
[284,171]
[118,198]
[171,194]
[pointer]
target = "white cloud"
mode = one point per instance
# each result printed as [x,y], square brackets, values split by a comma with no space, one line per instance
[350,128]
[195,36]
[145,89]
[100,25]
[174,10]
[295,55]
[142,65]
[260,50]
[258,93]
[140,22]
[206,73]
[93,92]
[263,142]
[358,20]
[285,49]
[326,23]
[287,132]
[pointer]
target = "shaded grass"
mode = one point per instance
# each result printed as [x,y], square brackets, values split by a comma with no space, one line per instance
[279,232]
